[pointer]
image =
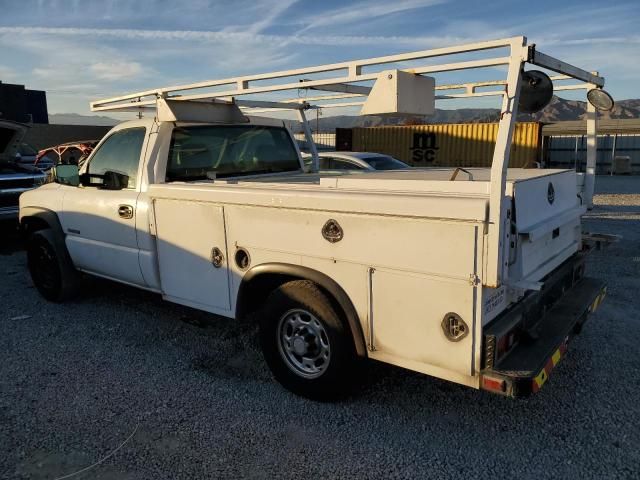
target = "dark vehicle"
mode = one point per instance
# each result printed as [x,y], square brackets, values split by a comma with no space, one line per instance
[70,153]
[29,157]
[15,177]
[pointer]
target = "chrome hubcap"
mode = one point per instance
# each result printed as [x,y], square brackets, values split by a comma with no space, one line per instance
[303,343]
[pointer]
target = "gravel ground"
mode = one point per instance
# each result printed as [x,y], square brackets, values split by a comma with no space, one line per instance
[192,398]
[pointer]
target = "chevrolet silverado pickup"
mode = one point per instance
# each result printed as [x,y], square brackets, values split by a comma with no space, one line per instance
[474,275]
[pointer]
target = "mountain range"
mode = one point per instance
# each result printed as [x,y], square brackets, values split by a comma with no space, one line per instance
[559,109]
[77,119]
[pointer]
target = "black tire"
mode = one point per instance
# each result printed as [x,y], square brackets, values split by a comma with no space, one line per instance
[51,269]
[335,372]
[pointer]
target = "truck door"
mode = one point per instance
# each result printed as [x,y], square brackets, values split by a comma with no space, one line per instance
[192,253]
[100,224]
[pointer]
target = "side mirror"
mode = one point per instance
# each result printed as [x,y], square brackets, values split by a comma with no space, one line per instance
[114,181]
[66,175]
[107,181]
[600,99]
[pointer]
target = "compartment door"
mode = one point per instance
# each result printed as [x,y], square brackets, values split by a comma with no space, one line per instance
[547,212]
[408,312]
[192,253]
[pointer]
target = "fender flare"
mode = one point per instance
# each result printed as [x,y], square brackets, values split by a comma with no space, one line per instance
[304,273]
[51,219]
[48,216]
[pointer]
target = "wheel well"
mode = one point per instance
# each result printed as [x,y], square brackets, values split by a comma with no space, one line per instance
[33,224]
[254,292]
[260,281]
[258,289]
[38,218]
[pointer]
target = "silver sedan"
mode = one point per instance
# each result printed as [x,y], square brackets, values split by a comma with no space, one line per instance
[357,161]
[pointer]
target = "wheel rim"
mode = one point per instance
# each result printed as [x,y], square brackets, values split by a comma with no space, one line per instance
[303,343]
[45,269]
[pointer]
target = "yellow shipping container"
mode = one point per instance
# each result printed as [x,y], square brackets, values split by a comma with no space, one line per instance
[449,145]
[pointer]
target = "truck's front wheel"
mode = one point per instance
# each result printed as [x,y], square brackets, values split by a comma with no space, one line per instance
[305,343]
[51,269]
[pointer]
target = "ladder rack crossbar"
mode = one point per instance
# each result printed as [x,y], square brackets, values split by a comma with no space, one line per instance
[136,99]
[353,69]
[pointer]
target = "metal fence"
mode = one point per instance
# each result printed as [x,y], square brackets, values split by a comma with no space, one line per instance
[560,151]
[570,151]
[323,141]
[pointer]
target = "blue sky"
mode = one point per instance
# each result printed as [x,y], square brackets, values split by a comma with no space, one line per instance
[82,50]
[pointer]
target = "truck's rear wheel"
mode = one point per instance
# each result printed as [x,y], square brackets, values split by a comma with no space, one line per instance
[51,269]
[305,342]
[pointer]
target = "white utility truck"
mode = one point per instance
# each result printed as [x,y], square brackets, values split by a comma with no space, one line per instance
[471,275]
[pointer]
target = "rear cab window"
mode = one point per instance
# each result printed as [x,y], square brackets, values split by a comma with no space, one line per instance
[207,152]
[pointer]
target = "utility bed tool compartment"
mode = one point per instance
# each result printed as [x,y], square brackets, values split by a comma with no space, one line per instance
[547,214]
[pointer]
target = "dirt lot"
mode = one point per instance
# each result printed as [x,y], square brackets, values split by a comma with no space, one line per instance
[190,397]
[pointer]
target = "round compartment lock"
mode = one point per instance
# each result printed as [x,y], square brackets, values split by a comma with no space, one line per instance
[454,328]
[332,231]
[217,257]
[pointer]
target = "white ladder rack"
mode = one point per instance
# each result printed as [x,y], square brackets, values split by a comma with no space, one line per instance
[346,80]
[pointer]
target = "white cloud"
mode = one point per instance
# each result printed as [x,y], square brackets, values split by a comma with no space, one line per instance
[364,10]
[116,70]
[7,73]
[75,63]
[229,38]
[267,20]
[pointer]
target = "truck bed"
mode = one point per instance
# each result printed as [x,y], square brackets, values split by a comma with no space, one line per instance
[381,179]
[545,206]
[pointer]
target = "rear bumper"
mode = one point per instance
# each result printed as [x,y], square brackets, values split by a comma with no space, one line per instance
[526,368]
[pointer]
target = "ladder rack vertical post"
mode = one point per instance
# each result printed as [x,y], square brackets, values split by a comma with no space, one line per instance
[309,137]
[592,153]
[495,263]
[613,152]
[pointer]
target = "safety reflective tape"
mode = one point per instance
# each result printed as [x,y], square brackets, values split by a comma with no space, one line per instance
[596,303]
[555,358]
[540,379]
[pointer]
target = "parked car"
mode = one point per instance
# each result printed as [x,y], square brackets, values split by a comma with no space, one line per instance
[15,177]
[357,161]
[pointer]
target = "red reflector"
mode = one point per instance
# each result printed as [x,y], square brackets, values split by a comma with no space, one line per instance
[494,384]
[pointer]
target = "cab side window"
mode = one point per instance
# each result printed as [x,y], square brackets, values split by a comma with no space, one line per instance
[119,153]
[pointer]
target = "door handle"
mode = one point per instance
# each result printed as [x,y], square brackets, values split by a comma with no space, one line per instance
[125,211]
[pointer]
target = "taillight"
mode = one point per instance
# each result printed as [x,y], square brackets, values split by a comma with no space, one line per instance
[505,343]
[494,384]
[499,344]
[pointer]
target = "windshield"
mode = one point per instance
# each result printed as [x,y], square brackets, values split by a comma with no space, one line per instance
[383,162]
[27,150]
[209,152]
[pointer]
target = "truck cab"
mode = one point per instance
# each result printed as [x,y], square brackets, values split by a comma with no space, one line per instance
[103,213]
